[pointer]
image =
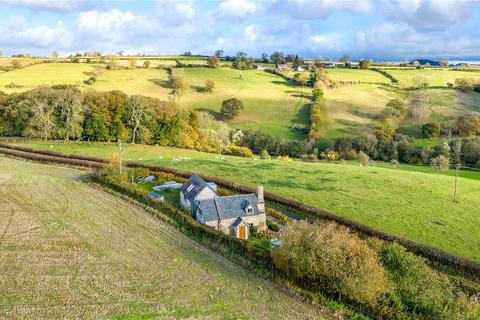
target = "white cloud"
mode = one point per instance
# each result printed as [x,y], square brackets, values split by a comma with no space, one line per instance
[238,8]
[401,39]
[47,5]
[100,22]
[250,33]
[16,33]
[429,15]
[322,9]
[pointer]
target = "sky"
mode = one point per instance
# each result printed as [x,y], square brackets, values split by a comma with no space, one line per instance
[379,30]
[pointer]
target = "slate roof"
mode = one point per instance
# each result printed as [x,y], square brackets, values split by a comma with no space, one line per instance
[238,222]
[208,208]
[198,185]
[229,207]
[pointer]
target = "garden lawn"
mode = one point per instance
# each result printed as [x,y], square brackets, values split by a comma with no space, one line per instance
[45,74]
[68,250]
[411,204]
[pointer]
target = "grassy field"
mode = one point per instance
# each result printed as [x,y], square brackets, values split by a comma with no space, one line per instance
[340,74]
[23,61]
[96,256]
[148,82]
[405,202]
[271,103]
[351,108]
[436,77]
[44,74]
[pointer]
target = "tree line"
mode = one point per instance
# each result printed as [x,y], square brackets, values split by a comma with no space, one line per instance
[64,112]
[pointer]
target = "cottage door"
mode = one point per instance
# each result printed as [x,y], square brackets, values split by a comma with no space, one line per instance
[242,231]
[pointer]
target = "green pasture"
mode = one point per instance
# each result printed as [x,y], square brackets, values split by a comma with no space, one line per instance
[362,75]
[272,104]
[411,202]
[44,74]
[437,77]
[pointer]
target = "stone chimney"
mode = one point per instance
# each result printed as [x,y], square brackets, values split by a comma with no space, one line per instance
[261,200]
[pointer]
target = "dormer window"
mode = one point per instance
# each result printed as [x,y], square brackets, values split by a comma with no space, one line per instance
[249,209]
[190,188]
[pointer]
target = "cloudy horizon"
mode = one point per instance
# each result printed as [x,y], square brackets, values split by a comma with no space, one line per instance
[380,30]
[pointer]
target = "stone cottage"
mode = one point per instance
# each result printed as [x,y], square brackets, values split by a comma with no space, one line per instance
[231,214]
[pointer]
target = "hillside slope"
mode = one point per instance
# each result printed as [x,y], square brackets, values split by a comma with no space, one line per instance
[70,251]
[404,202]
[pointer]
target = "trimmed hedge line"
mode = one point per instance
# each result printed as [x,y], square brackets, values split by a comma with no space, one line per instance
[385,74]
[434,254]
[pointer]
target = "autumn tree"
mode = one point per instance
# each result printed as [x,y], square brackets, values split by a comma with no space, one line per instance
[231,108]
[277,58]
[213,62]
[364,64]
[177,82]
[469,124]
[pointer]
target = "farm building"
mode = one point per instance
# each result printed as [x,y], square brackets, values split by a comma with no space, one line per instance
[233,215]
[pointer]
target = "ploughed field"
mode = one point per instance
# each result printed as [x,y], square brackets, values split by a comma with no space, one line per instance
[68,250]
[411,202]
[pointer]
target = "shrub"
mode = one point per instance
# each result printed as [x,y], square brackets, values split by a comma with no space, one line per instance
[277,215]
[273,226]
[363,158]
[264,155]
[440,163]
[466,84]
[330,257]
[398,105]
[430,130]
[238,151]
[420,289]
[394,163]
[285,158]
[331,155]
[209,85]
[420,82]
[317,93]
[231,108]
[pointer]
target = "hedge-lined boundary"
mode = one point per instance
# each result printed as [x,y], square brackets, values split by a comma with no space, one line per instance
[436,255]
[386,75]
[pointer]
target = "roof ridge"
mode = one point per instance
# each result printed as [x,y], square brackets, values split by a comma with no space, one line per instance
[216,208]
[238,195]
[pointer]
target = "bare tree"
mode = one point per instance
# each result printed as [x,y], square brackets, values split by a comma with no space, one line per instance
[137,114]
[440,163]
